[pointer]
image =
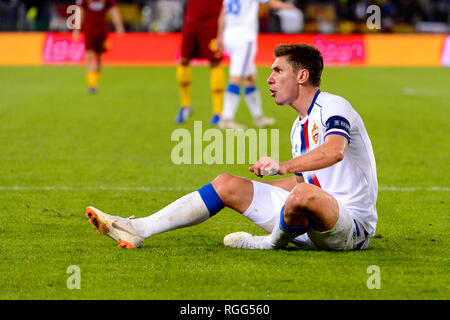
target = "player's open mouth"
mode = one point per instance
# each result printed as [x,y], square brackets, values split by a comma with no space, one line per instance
[273,92]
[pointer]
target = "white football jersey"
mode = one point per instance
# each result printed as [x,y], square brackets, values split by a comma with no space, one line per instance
[242,17]
[352,181]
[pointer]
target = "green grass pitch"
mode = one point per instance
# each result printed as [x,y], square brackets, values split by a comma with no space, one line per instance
[62,150]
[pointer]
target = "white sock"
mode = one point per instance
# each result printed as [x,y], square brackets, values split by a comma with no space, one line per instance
[253,100]
[279,238]
[230,103]
[276,240]
[187,211]
[282,234]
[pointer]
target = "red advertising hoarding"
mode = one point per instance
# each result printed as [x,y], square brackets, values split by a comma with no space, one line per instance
[164,49]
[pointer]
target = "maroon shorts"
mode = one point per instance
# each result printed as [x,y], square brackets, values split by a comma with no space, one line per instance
[199,42]
[95,42]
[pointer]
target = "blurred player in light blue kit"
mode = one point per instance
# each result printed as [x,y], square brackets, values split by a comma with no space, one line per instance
[238,33]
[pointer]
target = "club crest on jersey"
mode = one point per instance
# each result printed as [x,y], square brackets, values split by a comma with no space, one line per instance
[315,133]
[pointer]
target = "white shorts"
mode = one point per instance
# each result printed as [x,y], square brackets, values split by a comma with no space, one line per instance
[242,54]
[347,234]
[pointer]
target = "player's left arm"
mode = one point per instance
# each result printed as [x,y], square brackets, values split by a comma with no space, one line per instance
[278,5]
[330,152]
[117,19]
[220,28]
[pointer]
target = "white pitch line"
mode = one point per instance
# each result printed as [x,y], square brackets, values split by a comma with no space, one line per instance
[98,188]
[155,188]
[414,189]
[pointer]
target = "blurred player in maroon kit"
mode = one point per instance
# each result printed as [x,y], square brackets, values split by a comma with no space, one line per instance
[95,29]
[199,41]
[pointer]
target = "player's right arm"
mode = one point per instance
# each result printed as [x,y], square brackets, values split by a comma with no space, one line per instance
[117,19]
[220,28]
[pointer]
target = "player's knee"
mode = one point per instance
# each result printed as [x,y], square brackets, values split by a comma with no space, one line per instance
[214,64]
[222,183]
[302,197]
[294,214]
[250,80]
[236,80]
[226,185]
[298,205]
[184,61]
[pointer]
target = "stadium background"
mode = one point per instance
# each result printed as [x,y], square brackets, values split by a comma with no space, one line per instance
[338,28]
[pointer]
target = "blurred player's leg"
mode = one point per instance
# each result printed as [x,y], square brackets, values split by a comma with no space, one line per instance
[189,48]
[241,54]
[217,80]
[253,100]
[207,49]
[92,71]
[95,46]
[184,79]
[231,102]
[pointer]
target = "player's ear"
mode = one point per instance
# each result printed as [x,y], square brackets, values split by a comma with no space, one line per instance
[302,76]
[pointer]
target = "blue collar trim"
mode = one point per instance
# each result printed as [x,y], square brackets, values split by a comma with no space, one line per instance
[313,101]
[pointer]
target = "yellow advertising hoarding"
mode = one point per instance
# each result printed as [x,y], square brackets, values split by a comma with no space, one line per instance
[404,50]
[21,48]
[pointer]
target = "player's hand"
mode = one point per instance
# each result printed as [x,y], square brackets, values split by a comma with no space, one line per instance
[265,167]
[120,30]
[289,5]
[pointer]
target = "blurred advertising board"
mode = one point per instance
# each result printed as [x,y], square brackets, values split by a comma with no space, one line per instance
[164,49]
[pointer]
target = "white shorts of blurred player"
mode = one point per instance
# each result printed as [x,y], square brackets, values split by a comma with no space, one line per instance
[264,211]
[242,51]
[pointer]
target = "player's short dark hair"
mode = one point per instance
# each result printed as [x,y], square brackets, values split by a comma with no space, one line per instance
[303,56]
